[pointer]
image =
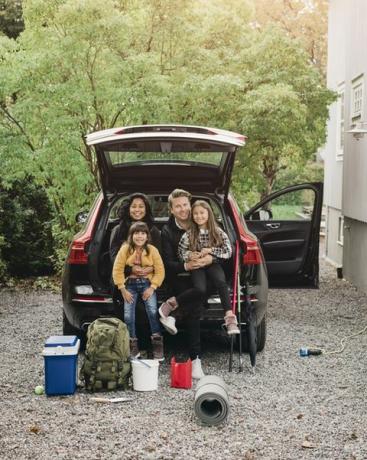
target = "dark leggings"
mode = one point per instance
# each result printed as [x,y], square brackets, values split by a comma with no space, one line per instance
[215,274]
[190,301]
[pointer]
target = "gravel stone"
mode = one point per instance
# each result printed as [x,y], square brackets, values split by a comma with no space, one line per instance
[289,408]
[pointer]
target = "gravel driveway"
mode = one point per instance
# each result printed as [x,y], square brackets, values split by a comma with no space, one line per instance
[291,408]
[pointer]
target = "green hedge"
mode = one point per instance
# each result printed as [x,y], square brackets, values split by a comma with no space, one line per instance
[26,244]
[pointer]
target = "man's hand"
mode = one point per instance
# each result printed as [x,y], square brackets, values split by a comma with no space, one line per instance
[192,265]
[205,260]
[200,263]
[194,255]
[128,297]
[147,293]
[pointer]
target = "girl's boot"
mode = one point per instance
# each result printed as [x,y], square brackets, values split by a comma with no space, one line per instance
[230,321]
[134,348]
[157,345]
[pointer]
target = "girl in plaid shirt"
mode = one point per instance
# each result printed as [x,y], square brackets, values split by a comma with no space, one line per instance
[206,237]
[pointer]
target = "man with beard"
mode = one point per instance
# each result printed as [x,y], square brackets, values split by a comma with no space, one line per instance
[188,299]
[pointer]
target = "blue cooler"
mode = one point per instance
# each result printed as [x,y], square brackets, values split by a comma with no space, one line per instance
[61,364]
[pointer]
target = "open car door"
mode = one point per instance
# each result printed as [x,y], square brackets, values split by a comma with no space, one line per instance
[287,224]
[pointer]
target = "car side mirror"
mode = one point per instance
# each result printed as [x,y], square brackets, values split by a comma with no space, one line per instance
[81,217]
[261,214]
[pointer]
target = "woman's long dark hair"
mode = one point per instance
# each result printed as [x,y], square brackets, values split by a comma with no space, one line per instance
[138,227]
[125,218]
[215,238]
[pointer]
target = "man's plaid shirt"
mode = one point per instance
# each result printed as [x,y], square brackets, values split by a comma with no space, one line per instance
[222,252]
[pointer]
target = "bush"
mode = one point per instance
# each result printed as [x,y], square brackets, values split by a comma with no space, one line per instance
[25,229]
[3,267]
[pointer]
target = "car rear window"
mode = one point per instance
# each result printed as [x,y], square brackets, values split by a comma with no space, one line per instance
[193,151]
[160,210]
[121,158]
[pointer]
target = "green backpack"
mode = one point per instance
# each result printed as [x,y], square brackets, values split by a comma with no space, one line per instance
[106,365]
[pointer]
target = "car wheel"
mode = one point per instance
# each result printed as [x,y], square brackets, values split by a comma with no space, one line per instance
[260,337]
[69,329]
[261,334]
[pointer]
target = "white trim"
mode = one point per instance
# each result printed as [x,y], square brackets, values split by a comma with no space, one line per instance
[340,122]
[340,239]
[357,99]
[218,135]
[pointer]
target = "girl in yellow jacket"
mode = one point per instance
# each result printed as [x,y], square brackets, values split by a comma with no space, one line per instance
[138,252]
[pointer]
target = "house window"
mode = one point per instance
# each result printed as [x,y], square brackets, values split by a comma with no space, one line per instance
[340,122]
[357,99]
[341,231]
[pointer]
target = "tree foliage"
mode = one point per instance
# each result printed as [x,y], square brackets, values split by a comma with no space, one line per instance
[304,20]
[85,65]
[26,243]
[11,20]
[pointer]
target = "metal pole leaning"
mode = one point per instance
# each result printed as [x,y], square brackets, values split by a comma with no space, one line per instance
[239,321]
[231,354]
[234,299]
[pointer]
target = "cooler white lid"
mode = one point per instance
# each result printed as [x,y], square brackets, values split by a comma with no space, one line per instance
[61,340]
[55,347]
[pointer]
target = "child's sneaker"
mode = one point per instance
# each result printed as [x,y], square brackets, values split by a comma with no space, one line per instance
[157,344]
[134,348]
[231,324]
[167,307]
[169,323]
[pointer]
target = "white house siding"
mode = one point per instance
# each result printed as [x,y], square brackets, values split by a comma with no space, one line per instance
[346,180]
[355,162]
[333,248]
[333,163]
[355,253]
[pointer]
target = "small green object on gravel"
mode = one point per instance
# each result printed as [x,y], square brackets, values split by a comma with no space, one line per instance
[39,390]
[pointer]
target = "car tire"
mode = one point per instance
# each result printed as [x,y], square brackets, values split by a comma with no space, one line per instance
[261,334]
[260,337]
[69,329]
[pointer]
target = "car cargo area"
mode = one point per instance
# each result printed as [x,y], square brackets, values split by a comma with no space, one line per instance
[159,205]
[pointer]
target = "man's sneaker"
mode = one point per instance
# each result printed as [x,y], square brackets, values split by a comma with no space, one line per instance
[231,324]
[167,307]
[196,370]
[169,324]
[134,348]
[157,344]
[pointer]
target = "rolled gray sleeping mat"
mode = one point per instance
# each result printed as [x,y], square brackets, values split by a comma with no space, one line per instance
[211,400]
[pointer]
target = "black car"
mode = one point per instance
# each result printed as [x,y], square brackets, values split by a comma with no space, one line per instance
[275,243]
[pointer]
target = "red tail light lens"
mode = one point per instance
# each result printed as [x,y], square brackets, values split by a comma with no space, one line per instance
[78,252]
[253,254]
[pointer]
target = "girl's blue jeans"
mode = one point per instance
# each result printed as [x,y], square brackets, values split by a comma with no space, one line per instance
[136,286]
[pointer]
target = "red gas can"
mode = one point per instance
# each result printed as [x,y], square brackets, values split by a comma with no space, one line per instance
[181,374]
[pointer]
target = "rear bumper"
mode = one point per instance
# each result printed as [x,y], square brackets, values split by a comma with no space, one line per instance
[81,312]
[82,309]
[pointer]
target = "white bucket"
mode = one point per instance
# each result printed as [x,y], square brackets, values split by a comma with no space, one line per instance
[145,374]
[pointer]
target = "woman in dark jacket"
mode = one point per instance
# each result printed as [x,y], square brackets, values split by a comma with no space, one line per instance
[135,208]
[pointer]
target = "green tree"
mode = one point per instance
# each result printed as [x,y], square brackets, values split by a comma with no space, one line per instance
[304,20]
[284,109]
[11,20]
[83,65]
[26,244]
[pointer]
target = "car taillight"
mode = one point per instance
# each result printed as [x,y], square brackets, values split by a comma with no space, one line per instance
[253,254]
[78,252]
